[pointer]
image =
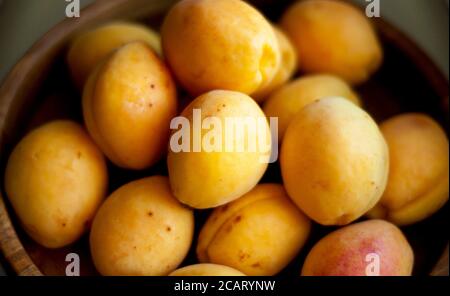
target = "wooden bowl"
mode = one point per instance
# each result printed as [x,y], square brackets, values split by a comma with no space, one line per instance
[38,89]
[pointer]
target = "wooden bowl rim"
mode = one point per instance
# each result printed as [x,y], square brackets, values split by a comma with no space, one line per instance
[10,245]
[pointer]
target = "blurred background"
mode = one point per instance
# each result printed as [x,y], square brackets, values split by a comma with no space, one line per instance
[22,22]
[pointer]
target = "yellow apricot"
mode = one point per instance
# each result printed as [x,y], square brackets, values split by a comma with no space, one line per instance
[418,183]
[258,234]
[333,37]
[285,102]
[219,44]
[141,229]
[89,48]
[128,103]
[206,178]
[206,269]
[334,161]
[56,178]
[289,62]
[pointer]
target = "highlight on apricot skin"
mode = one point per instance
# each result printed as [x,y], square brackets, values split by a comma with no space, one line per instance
[334,161]
[418,183]
[288,100]
[373,247]
[333,37]
[219,44]
[89,48]
[128,103]
[258,234]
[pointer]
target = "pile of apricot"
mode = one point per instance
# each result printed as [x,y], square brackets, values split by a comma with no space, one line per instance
[338,165]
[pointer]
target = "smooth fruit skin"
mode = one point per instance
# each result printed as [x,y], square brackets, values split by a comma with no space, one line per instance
[208,179]
[258,234]
[219,44]
[334,161]
[333,37]
[206,269]
[289,99]
[56,178]
[418,183]
[90,48]
[141,229]
[128,103]
[288,66]
[349,251]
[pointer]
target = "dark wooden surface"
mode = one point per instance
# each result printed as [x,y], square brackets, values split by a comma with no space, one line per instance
[38,89]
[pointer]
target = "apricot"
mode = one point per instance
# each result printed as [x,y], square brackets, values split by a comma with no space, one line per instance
[334,161]
[333,37]
[89,48]
[56,179]
[419,172]
[285,102]
[206,269]
[141,229]
[128,103]
[288,66]
[219,44]
[373,247]
[220,158]
[258,234]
